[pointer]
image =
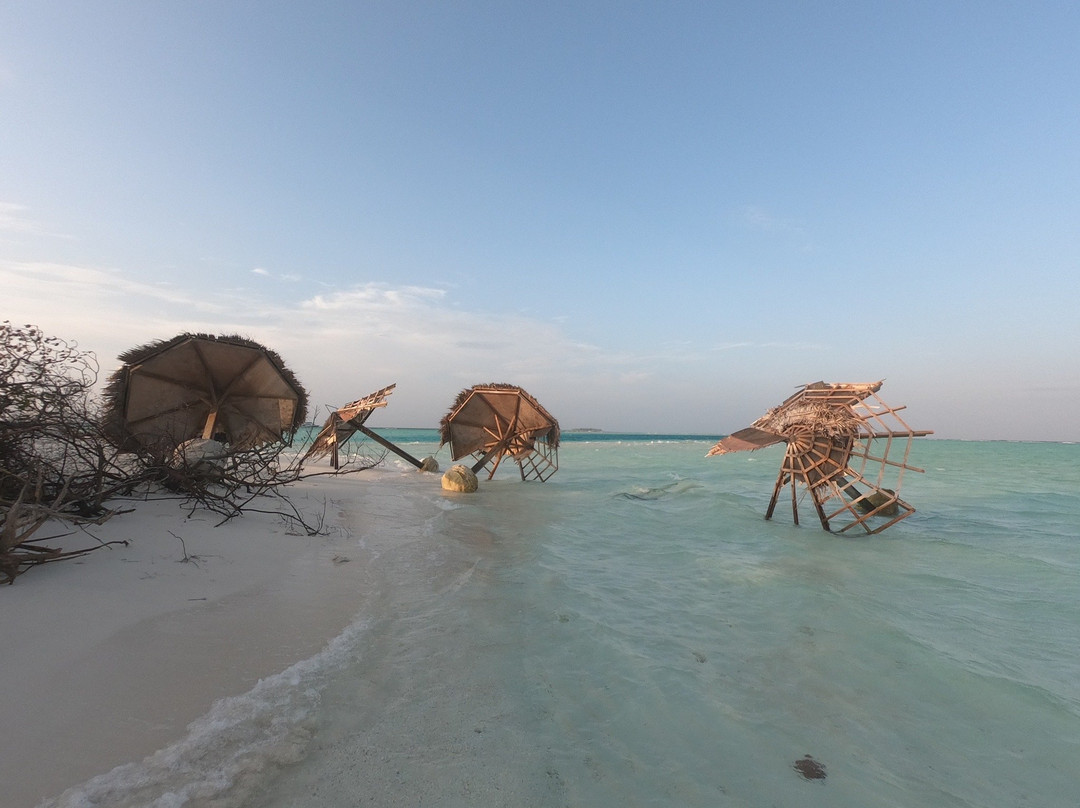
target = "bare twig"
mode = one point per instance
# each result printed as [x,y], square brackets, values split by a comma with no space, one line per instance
[59,463]
[187,559]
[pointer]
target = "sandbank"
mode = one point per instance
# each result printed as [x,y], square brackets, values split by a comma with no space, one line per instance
[108,657]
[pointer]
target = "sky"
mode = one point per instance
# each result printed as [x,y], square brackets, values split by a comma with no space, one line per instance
[654,217]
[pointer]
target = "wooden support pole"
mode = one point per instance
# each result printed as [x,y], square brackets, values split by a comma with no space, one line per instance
[340,434]
[211,422]
[497,449]
[379,439]
[775,495]
[820,510]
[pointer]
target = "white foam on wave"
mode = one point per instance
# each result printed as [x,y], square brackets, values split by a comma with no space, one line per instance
[444,504]
[232,751]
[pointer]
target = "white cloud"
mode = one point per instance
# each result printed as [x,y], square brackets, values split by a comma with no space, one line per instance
[347,343]
[80,287]
[288,277]
[374,295]
[13,219]
[340,343]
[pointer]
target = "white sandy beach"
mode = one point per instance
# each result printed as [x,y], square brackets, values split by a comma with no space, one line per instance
[107,658]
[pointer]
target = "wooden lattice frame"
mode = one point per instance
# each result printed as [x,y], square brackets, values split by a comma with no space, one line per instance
[539,461]
[846,448]
[346,421]
[501,420]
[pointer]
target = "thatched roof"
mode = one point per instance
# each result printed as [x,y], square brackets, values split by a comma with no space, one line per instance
[819,408]
[493,421]
[745,440]
[543,423]
[285,387]
[820,418]
[345,421]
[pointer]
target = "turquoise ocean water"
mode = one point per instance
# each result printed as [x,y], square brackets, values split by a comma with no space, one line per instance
[634,633]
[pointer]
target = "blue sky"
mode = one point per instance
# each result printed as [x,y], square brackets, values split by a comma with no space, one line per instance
[652,216]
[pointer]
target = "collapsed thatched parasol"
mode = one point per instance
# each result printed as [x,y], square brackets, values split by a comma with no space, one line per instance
[490,421]
[346,421]
[199,385]
[829,430]
[818,408]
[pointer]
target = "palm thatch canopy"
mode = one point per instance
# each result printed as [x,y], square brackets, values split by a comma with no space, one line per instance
[199,385]
[820,408]
[838,437]
[489,421]
[346,421]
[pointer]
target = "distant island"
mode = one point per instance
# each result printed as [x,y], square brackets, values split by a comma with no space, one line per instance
[583,429]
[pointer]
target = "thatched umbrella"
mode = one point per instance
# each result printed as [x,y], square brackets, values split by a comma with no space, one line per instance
[489,421]
[838,437]
[198,385]
[346,421]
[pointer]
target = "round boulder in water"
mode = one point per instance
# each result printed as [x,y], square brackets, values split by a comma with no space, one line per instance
[429,463]
[883,501]
[460,478]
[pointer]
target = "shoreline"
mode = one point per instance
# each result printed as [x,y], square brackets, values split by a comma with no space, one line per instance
[111,656]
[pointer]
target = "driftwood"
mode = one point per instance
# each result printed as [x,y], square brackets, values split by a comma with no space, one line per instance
[19,521]
[248,481]
[53,464]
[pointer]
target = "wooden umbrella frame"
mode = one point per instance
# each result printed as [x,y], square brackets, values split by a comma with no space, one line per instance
[497,434]
[846,448]
[217,401]
[346,421]
[199,385]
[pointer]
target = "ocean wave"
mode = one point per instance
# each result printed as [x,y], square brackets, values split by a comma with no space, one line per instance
[230,753]
[660,492]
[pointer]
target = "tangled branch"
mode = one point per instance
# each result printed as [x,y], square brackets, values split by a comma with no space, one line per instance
[58,463]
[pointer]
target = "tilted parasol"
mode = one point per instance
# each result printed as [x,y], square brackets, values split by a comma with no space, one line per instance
[197,385]
[843,445]
[346,421]
[490,421]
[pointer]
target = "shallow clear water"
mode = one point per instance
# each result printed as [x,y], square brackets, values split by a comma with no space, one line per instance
[634,633]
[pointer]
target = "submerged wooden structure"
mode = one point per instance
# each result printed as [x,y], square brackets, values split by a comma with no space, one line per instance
[346,421]
[492,421]
[846,448]
[202,386]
